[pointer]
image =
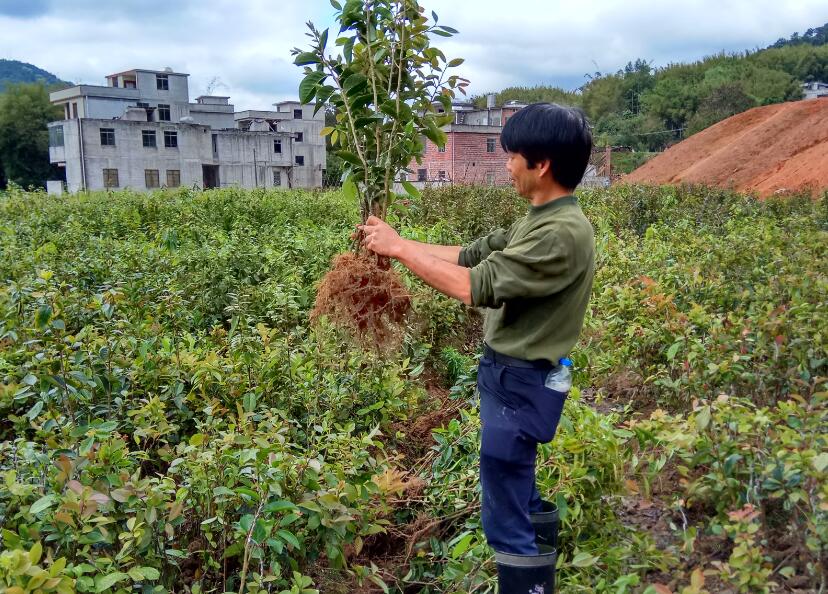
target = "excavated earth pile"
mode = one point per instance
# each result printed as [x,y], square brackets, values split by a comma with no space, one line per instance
[768,150]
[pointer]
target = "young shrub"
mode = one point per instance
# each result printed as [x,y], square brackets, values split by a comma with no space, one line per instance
[386,82]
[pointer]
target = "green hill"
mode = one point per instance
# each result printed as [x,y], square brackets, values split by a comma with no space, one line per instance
[12,71]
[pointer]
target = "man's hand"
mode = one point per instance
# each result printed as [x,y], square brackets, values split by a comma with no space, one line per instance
[380,237]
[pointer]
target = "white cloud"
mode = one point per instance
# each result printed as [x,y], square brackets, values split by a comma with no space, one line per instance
[247,44]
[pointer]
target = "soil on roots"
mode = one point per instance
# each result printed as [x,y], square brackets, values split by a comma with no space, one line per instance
[366,299]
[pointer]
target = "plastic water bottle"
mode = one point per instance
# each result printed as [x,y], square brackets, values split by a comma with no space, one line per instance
[560,378]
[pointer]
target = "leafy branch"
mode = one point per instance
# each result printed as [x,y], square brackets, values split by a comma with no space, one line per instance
[389,87]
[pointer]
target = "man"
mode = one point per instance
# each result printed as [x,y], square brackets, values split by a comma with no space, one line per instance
[535,279]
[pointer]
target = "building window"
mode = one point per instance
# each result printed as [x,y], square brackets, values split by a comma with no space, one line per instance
[173,178]
[297,114]
[490,145]
[300,160]
[441,175]
[74,111]
[422,174]
[277,146]
[107,136]
[151,179]
[56,136]
[277,177]
[441,149]
[148,138]
[215,145]
[170,139]
[490,178]
[162,82]
[300,137]
[163,112]
[110,178]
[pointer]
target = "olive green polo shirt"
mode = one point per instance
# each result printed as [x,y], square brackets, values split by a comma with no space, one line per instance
[535,279]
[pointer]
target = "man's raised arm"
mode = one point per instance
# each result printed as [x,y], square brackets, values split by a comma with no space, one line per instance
[447,253]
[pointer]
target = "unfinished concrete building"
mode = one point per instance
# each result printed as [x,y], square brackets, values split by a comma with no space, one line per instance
[141,131]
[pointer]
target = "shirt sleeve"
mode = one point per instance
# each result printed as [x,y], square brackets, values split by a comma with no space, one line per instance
[538,265]
[480,249]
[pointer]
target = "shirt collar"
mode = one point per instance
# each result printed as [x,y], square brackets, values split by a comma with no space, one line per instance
[553,204]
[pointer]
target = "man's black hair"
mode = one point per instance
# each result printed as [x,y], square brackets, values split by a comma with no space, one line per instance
[550,131]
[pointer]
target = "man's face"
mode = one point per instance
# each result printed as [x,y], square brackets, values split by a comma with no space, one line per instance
[523,178]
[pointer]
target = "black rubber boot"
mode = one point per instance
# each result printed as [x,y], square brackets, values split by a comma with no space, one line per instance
[546,525]
[526,574]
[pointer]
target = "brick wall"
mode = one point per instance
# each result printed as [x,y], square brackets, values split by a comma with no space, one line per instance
[465,160]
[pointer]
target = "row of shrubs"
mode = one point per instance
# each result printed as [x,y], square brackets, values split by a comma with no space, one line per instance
[169,421]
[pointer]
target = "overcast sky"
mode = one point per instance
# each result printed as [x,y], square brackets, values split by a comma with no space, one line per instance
[246,44]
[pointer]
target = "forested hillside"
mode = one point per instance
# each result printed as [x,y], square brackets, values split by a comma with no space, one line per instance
[12,71]
[648,107]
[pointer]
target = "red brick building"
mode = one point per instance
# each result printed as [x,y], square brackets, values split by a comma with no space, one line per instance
[472,154]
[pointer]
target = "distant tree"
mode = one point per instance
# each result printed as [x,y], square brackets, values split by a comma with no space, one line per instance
[640,132]
[603,96]
[803,62]
[24,139]
[637,78]
[720,103]
[539,93]
[674,97]
[818,36]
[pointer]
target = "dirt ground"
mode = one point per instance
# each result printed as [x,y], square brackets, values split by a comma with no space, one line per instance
[768,150]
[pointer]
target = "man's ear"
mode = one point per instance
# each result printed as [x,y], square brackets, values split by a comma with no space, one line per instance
[544,167]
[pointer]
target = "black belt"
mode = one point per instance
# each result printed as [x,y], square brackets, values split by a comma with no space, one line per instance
[508,361]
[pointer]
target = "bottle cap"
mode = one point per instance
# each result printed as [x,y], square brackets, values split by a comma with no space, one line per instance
[565,362]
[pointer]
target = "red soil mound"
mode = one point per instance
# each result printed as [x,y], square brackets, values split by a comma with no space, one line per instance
[767,150]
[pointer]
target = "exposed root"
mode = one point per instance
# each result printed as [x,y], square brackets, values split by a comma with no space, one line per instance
[367,300]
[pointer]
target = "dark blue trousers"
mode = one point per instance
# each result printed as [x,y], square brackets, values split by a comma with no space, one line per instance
[517,413]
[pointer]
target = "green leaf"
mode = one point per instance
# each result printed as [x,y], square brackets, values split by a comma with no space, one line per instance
[455,62]
[354,81]
[35,410]
[42,504]
[136,574]
[451,30]
[306,58]
[348,50]
[411,189]
[821,462]
[289,538]
[349,190]
[196,439]
[105,582]
[462,546]
[671,352]
[703,418]
[349,157]
[309,86]
[563,508]
[249,402]
[336,5]
[44,313]
[35,553]
[583,559]
[277,506]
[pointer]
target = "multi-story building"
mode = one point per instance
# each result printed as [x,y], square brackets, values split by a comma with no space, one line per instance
[140,131]
[472,154]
